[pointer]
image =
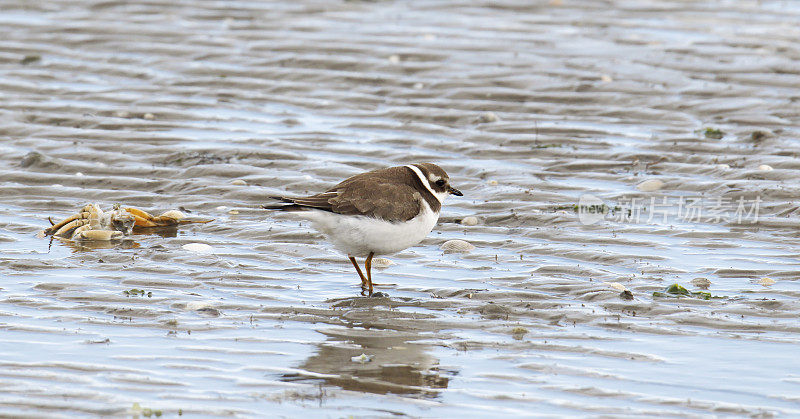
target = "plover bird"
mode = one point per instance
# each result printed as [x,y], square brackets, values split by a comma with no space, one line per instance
[376,213]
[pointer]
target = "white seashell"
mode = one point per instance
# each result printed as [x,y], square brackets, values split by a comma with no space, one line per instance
[78,174]
[149,116]
[492,182]
[605,78]
[766,281]
[381,263]
[122,114]
[233,212]
[469,221]
[765,168]
[418,86]
[394,58]
[174,214]
[362,359]
[198,248]
[650,185]
[222,208]
[459,246]
[488,117]
[238,182]
[197,305]
[615,285]
[723,166]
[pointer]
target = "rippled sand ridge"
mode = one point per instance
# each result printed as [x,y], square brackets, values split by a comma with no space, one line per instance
[629,171]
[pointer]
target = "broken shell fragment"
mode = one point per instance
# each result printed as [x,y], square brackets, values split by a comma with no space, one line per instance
[457,246]
[615,285]
[361,359]
[174,214]
[650,185]
[702,283]
[198,248]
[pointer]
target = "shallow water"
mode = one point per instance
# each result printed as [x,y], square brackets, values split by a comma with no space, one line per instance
[529,107]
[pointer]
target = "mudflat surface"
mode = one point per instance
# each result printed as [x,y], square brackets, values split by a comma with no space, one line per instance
[529,106]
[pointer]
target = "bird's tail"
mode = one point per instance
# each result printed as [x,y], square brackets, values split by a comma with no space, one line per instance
[286,204]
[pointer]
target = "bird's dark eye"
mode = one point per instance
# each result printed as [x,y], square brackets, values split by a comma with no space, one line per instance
[440,183]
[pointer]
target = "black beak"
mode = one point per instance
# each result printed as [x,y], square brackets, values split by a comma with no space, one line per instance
[454,191]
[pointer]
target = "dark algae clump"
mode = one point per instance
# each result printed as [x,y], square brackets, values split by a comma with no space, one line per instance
[677,290]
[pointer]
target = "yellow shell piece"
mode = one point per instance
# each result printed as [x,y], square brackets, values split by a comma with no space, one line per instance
[57,226]
[139,213]
[66,228]
[76,233]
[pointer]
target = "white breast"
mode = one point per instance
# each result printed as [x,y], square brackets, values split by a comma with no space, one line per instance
[359,235]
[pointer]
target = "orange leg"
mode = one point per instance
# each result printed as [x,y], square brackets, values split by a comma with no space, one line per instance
[368,265]
[361,274]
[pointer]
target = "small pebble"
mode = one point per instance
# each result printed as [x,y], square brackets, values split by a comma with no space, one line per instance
[209,311]
[605,78]
[765,168]
[488,117]
[418,86]
[626,295]
[362,359]
[382,263]
[469,221]
[457,246]
[199,305]
[238,182]
[759,135]
[615,285]
[233,212]
[518,332]
[766,281]
[702,283]
[122,114]
[650,185]
[198,248]
[394,58]
[149,116]
[492,182]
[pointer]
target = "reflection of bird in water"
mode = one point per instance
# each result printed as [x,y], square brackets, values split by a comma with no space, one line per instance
[397,365]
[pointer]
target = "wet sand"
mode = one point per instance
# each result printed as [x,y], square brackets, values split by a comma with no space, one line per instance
[528,107]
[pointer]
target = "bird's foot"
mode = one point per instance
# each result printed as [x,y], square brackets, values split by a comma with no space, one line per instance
[366,293]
